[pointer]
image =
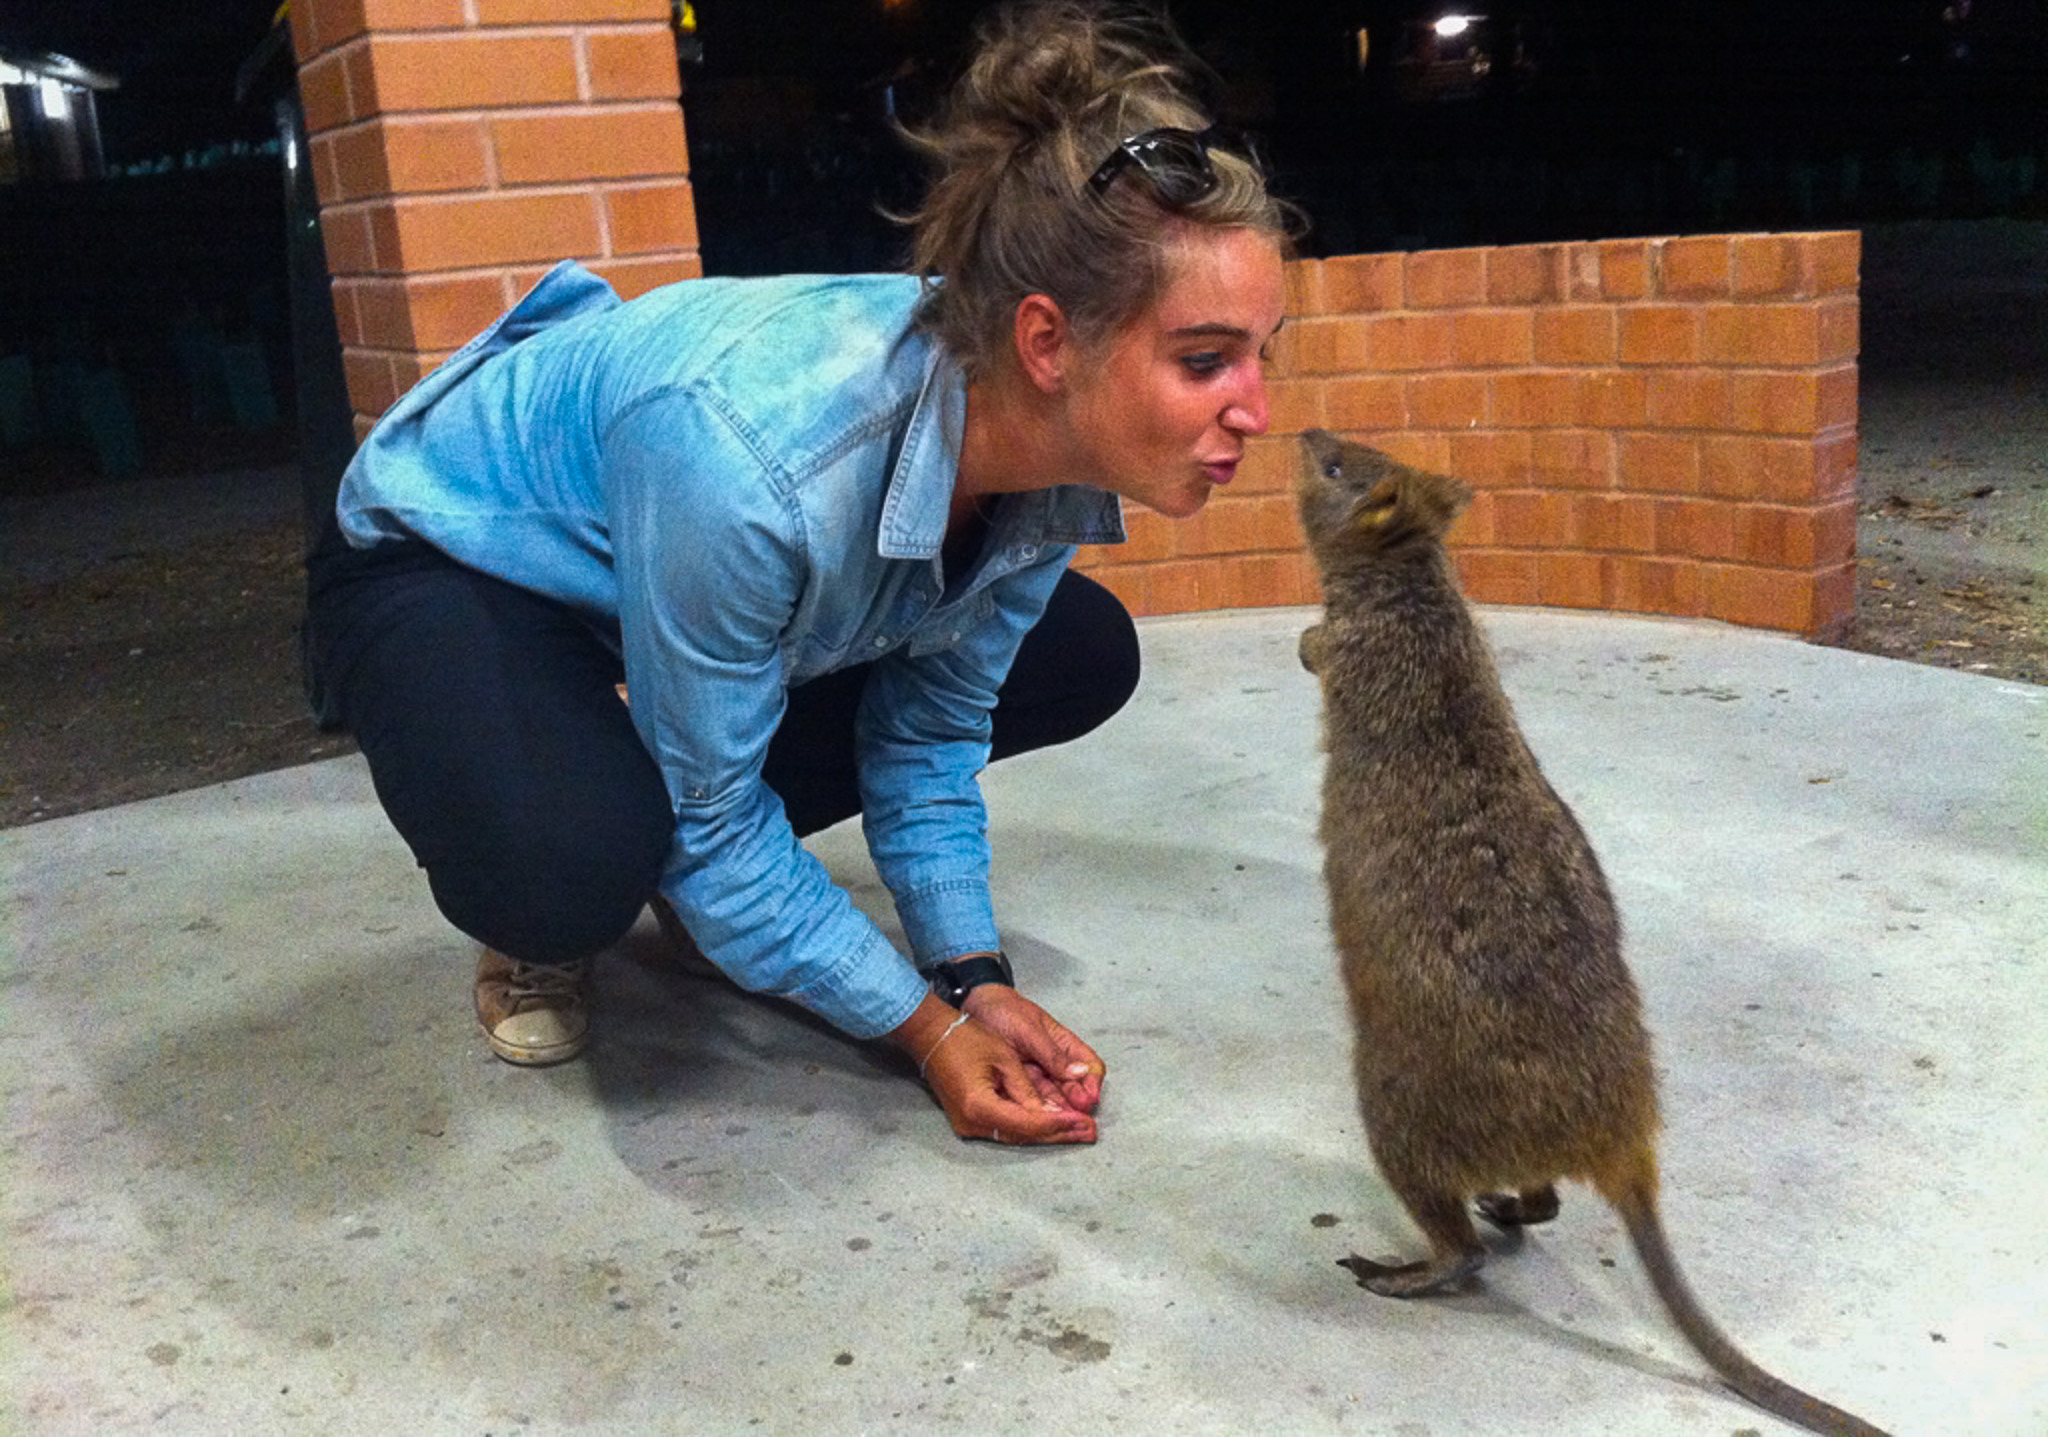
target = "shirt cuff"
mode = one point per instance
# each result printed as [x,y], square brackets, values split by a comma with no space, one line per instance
[949,919]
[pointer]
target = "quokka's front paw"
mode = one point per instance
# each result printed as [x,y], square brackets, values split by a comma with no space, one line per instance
[1311,648]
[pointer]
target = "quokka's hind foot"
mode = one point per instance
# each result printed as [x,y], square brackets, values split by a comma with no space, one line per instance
[1455,1251]
[1412,1279]
[1522,1209]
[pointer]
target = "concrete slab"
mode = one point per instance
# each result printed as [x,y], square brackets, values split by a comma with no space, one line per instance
[263,1177]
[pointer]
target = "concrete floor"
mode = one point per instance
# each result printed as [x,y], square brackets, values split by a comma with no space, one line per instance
[264,1176]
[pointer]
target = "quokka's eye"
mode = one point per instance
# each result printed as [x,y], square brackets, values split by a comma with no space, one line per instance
[1334,469]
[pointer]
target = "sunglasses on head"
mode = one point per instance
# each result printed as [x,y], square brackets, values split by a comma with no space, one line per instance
[1174,162]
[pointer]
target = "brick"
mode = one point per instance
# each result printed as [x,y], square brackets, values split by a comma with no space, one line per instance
[1475,527]
[1489,576]
[567,12]
[1732,466]
[1533,519]
[327,183]
[1654,586]
[371,387]
[324,93]
[410,369]
[1701,267]
[1624,268]
[1269,467]
[1571,581]
[1147,536]
[1417,448]
[1303,279]
[1840,333]
[346,236]
[1573,458]
[1491,458]
[1697,528]
[1766,266]
[574,146]
[304,19]
[635,275]
[1178,587]
[1366,404]
[631,65]
[1577,334]
[1833,603]
[1611,523]
[1447,401]
[1796,538]
[429,312]
[1446,278]
[1804,402]
[1524,275]
[1536,398]
[1660,334]
[1690,399]
[1489,338]
[1406,342]
[1262,581]
[1759,598]
[649,219]
[409,155]
[1613,399]
[347,314]
[1326,346]
[1779,334]
[1297,404]
[1833,472]
[1658,463]
[1579,273]
[1830,263]
[468,71]
[1362,283]
[472,231]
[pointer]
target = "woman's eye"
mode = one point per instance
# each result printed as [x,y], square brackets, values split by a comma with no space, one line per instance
[1203,365]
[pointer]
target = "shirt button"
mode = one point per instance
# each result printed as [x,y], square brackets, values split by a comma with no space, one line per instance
[881,643]
[1029,551]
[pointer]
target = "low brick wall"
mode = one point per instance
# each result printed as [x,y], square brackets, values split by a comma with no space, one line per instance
[1662,426]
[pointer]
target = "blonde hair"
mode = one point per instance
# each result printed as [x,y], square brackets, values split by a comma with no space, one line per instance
[1052,90]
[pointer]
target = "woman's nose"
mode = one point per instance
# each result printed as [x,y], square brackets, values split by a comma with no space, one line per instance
[1249,413]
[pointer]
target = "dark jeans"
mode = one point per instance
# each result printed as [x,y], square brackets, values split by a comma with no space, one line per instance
[498,746]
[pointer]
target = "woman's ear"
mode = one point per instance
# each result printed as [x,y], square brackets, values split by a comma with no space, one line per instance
[1041,334]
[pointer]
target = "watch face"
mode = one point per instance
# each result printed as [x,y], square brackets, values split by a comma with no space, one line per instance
[955,980]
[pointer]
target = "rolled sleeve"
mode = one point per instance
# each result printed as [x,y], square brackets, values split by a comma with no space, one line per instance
[923,741]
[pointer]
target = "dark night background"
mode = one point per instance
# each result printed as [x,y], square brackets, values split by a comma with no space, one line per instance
[1553,119]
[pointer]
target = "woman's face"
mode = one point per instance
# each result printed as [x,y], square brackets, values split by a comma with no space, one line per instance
[1162,408]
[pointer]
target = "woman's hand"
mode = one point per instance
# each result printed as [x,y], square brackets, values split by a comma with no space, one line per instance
[1065,1069]
[1009,1073]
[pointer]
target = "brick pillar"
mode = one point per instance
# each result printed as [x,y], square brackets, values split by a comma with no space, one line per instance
[461,147]
[1663,426]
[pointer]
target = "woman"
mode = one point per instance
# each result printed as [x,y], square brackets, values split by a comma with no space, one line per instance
[820,528]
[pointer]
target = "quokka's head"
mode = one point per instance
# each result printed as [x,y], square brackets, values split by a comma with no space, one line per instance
[1354,499]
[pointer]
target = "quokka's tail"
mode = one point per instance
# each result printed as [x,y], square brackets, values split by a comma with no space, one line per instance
[1635,1199]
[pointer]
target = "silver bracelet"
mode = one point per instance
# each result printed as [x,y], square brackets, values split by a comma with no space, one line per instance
[925,1061]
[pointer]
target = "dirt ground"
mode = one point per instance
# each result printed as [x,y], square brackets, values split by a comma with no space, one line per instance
[148,628]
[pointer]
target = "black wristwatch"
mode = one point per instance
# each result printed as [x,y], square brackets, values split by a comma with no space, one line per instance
[955,980]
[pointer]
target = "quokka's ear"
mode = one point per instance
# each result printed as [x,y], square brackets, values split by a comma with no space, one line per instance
[1379,508]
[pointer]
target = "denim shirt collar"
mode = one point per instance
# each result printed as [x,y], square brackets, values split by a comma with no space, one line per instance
[920,494]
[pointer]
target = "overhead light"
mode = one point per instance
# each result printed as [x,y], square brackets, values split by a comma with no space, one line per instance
[1452,26]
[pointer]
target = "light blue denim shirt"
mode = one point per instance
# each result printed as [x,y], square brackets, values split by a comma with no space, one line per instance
[748,482]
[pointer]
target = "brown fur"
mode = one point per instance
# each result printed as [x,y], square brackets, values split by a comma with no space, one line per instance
[1500,1040]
